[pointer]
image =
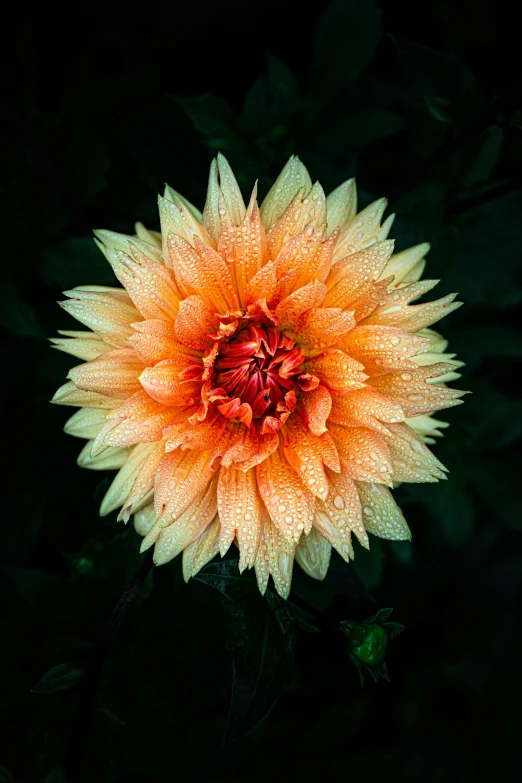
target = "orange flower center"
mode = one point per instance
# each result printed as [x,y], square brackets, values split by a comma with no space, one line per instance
[254,372]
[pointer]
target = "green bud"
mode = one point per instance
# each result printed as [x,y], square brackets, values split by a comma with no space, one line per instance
[373,648]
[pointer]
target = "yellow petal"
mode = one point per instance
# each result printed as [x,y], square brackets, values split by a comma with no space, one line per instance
[240,513]
[382,516]
[293,178]
[313,554]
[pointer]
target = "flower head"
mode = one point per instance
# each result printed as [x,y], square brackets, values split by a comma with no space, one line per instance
[261,378]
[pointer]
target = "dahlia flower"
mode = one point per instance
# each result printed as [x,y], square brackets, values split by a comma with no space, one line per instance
[262,378]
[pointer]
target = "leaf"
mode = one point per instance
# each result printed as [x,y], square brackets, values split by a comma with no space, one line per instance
[60,678]
[362,127]
[261,645]
[5,775]
[393,629]
[440,108]
[215,120]
[76,261]
[483,155]
[224,576]
[347,36]
[16,315]
[282,84]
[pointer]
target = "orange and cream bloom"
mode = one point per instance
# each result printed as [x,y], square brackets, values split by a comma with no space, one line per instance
[262,378]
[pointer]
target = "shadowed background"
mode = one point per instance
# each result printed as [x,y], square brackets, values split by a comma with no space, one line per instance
[422,105]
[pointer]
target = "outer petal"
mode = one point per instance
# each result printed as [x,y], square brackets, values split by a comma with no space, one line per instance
[395,310]
[365,406]
[121,486]
[382,516]
[249,449]
[304,208]
[414,394]
[179,480]
[70,394]
[144,481]
[180,534]
[290,505]
[275,557]
[341,205]
[313,554]
[201,552]
[172,195]
[222,184]
[240,513]
[350,276]
[111,459]
[412,460]
[343,509]
[382,348]
[364,454]
[195,321]
[293,178]
[361,231]
[86,423]
[83,345]
[139,420]
[177,219]
[109,313]
[408,265]
[114,374]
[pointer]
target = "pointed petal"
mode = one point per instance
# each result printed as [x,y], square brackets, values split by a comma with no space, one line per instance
[293,306]
[124,479]
[407,266]
[320,327]
[361,231]
[275,557]
[313,554]
[290,505]
[383,348]
[179,480]
[150,285]
[414,394]
[176,218]
[365,406]
[427,427]
[293,178]
[196,320]
[350,276]
[144,519]
[115,374]
[111,242]
[86,423]
[412,460]
[337,370]
[155,340]
[202,551]
[70,394]
[305,209]
[382,516]
[341,205]
[138,420]
[412,318]
[108,313]
[240,513]
[111,459]
[343,509]
[172,195]
[202,271]
[143,483]
[249,449]
[164,383]
[82,345]
[190,526]
[363,452]
[304,452]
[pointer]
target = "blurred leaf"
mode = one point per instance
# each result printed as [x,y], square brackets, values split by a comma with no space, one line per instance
[393,629]
[215,120]
[76,261]
[56,775]
[440,108]
[224,576]
[347,37]
[262,663]
[483,155]
[5,775]
[60,677]
[362,127]
[283,85]
[16,315]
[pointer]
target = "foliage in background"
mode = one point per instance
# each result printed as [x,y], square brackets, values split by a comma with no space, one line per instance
[91,147]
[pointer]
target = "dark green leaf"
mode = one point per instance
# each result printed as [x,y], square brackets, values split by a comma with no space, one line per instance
[346,40]
[484,154]
[225,577]
[362,127]
[60,677]
[393,629]
[76,261]
[215,120]
[16,315]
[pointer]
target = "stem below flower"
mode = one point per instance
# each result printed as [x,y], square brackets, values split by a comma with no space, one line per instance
[99,655]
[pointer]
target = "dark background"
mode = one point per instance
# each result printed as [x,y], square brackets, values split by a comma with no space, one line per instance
[422,102]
